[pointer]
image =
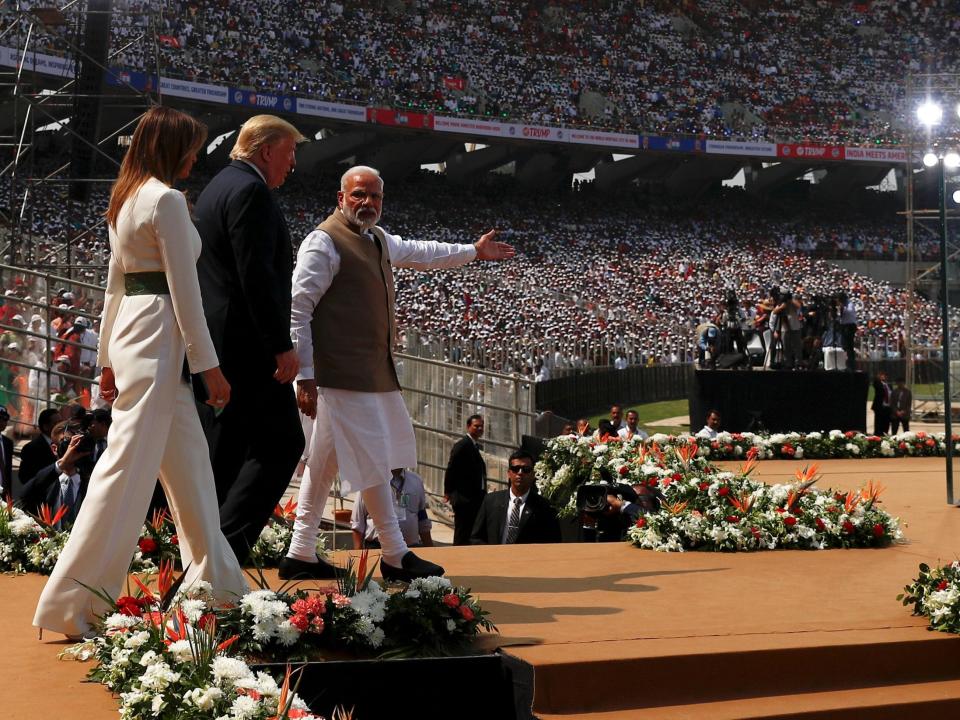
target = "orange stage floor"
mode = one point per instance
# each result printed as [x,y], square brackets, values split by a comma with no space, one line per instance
[612,631]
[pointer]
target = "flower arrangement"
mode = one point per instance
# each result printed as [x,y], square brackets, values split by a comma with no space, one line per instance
[31,543]
[935,593]
[174,652]
[814,445]
[706,508]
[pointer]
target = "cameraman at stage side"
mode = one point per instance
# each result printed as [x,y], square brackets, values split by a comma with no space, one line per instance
[708,344]
[730,320]
[648,502]
[788,329]
[848,327]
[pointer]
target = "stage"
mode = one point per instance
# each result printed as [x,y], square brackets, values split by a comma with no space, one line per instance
[783,400]
[614,632]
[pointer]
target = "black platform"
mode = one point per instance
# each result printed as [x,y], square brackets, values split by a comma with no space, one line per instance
[783,400]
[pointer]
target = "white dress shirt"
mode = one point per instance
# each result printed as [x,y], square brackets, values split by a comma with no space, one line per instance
[523,504]
[624,433]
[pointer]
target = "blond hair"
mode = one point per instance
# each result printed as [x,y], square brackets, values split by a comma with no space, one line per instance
[262,130]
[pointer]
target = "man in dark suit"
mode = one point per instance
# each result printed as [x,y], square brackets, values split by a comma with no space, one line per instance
[37,453]
[465,480]
[6,457]
[881,404]
[245,272]
[517,515]
[64,482]
[901,405]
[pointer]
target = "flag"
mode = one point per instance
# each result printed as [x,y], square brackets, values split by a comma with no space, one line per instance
[169,41]
[453,82]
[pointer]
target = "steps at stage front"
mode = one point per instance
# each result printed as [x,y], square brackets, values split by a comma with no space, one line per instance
[880,674]
[614,632]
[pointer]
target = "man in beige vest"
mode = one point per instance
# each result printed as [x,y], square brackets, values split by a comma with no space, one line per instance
[343,329]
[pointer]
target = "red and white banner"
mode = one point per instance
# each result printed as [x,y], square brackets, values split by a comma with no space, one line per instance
[876,154]
[810,152]
[490,128]
[454,82]
[399,118]
[169,41]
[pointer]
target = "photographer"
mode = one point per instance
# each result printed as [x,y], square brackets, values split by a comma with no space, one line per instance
[731,320]
[647,502]
[832,337]
[708,343]
[789,323]
[848,327]
[64,483]
[608,509]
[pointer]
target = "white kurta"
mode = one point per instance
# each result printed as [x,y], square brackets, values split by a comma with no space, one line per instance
[370,432]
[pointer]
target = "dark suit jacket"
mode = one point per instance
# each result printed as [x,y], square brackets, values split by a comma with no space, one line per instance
[879,394]
[44,488]
[245,271]
[34,456]
[465,480]
[7,465]
[538,522]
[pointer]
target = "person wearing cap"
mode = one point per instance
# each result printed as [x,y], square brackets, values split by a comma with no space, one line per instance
[6,457]
[152,319]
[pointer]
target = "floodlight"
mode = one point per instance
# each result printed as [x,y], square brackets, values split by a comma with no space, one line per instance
[929,114]
[956,196]
[930,159]
[951,160]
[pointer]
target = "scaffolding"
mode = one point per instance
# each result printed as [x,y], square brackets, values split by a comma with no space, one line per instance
[39,102]
[931,213]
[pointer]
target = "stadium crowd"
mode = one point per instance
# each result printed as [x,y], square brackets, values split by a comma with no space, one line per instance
[786,70]
[625,282]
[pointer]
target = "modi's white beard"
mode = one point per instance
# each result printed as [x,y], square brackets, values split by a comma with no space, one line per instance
[354,218]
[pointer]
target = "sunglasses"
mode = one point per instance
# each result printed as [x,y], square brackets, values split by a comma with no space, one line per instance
[521,469]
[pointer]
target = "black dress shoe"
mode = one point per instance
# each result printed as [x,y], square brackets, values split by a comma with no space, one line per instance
[410,567]
[293,569]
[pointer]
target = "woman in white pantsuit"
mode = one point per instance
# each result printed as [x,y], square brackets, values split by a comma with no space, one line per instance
[152,317]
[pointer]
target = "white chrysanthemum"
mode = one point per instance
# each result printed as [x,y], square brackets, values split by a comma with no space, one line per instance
[227,669]
[193,609]
[244,707]
[158,676]
[814,436]
[119,620]
[134,640]
[181,650]
[799,453]
[23,525]
[203,698]
[287,633]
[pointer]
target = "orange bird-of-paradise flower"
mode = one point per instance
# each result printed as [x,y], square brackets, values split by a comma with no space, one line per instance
[656,451]
[743,503]
[158,519]
[147,592]
[851,501]
[808,473]
[227,643]
[10,505]
[750,465]
[179,629]
[50,518]
[687,452]
[164,577]
[676,508]
[287,511]
[870,493]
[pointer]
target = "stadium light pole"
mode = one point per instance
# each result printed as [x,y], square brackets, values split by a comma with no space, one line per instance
[945,313]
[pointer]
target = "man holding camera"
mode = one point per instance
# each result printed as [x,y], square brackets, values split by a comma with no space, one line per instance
[518,515]
[64,483]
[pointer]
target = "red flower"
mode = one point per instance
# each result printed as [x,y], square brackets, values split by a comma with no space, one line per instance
[929,442]
[733,519]
[641,522]
[300,622]
[902,445]
[728,448]
[723,491]
[849,434]
[756,532]
[820,525]
[779,510]
[205,620]
[676,477]
[451,600]
[943,585]
[174,540]
[790,520]
[652,482]
[787,450]
[147,545]
[317,623]
[921,435]
[704,486]
[127,605]
[878,530]
[624,469]
[466,613]
[848,526]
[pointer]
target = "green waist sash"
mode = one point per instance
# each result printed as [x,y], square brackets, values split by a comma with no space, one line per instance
[146,283]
